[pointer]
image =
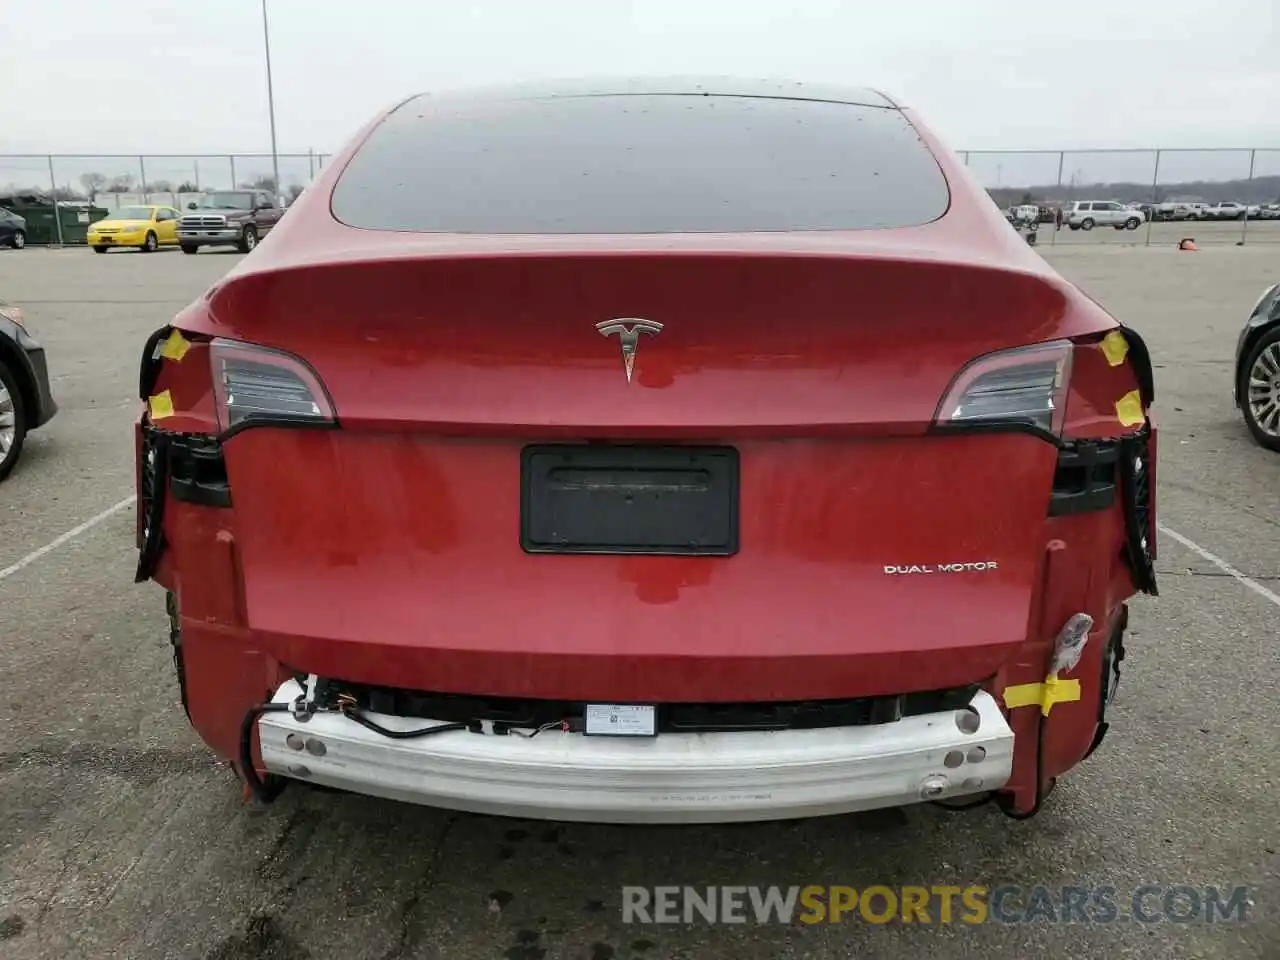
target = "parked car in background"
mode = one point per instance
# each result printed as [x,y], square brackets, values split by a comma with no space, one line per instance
[225,218]
[1270,211]
[145,227]
[1190,210]
[1257,379]
[1087,214]
[782,517]
[26,401]
[1226,210]
[13,229]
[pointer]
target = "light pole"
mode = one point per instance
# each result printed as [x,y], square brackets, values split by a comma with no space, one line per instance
[271,106]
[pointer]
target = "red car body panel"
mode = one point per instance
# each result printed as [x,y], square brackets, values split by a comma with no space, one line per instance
[386,551]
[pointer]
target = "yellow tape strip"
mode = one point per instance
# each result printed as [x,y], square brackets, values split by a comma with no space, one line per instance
[161,406]
[1129,409]
[175,347]
[1042,695]
[1115,348]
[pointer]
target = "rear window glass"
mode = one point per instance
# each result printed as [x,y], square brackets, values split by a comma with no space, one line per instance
[640,164]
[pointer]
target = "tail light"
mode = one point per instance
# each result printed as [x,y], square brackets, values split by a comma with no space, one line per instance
[1024,386]
[255,384]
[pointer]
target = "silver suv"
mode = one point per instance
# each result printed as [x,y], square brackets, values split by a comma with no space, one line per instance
[1087,214]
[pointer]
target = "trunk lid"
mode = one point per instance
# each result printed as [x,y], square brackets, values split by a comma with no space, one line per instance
[508,345]
[871,557]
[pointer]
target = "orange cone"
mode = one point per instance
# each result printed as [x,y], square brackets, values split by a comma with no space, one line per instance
[1187,243]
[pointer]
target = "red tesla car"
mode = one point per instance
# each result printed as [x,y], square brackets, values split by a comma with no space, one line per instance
[663,450]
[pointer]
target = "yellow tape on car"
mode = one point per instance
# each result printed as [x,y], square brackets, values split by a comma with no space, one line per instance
[1115,348]
[175,347]
[1043,695]
[1129,409]
[161,406]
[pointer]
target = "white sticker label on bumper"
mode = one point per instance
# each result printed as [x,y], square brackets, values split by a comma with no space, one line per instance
[621,720]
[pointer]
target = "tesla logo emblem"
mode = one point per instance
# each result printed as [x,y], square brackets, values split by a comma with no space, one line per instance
[628,330]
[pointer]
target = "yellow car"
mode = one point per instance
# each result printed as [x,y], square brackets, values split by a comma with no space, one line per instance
[144,227]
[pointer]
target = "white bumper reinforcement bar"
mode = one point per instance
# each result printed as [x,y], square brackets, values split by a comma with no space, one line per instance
[671,778]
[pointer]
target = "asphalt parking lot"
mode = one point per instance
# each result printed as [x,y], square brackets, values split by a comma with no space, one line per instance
[121,837]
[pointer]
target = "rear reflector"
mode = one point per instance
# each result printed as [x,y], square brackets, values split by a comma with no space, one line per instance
[1024,386]
[260,385]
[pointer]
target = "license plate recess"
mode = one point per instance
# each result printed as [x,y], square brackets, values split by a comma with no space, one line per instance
[629,499]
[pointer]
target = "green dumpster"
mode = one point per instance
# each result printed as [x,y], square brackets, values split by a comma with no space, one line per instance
[38,211]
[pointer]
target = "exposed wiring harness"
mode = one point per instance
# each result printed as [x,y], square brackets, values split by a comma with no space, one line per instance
[347,706]
[1004,803]
[316,698]
[965,805]
[561,724]
[263,791]
[1116,640]
[1002,800]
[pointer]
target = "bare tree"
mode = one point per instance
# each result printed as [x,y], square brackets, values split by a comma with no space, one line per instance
[158,186]
[265,182]
[92,183]
[121,184]
[293,191]
[186,186]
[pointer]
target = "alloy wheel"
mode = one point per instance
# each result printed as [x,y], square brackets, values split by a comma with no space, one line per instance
[8,421]
[1264,390]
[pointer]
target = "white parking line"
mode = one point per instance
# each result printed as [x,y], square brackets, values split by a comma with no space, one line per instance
[71,534]
[1222,565]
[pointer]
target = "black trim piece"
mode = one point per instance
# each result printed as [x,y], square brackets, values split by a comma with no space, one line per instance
[1111,659]
[1085,478]
[1140,545]
[197,472]
[42,389]
[152,499]
[276,420]
[998,426]
[175,641]
[629,499]
[149,367]
[523,713]
[1140,360]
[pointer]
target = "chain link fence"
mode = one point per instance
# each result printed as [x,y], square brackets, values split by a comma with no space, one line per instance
[116,180]
[1177,190]
[1167,183]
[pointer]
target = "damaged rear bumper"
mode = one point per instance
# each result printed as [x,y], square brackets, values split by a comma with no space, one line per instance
[681,777]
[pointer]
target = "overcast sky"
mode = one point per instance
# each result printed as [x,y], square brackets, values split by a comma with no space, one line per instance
[187,76]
